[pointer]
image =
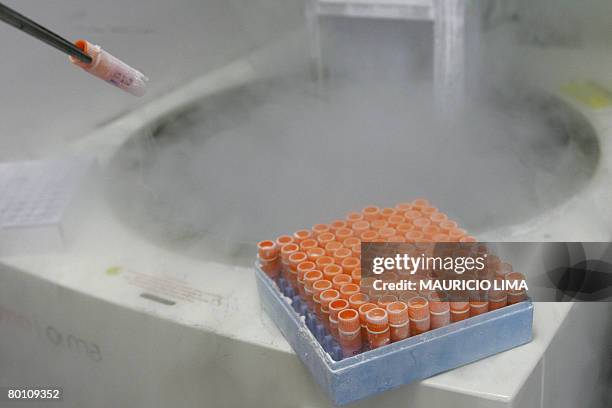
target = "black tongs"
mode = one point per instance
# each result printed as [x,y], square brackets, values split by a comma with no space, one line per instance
[23,23]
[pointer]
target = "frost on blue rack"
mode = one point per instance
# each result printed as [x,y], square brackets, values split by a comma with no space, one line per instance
[321,334]
[415,358]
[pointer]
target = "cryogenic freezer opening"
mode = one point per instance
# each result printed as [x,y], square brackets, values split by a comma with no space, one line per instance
[280,155]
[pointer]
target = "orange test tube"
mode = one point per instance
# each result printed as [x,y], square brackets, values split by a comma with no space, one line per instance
[307,244]
[359,227]
[363,310]
[301,235]
[516,296]
[318,287]
[401,208]
[418,310]
[341,254]
[358,299]
[447,226]
[324,238]
[497,298]
[349,264]
[337,224]
[349,332]
[369,236]
[353,217]
[310,278]
[327,297]
[356,276]
[302,268]
[341,279]
[271,267]
[439,310]
[268,250]
[395,220]
[458,315]
[350,242]
[343,233]
[288,249]
[323,261]
[456,234]
[318,229]
[331,270]
[378,224]
[331,247]
[399,323]
[336,307]
[315,253]
[478,307]
[420,203]
[371,213]
[414,236]
[348,289]
[377,322]
[284,240]
[386,233]
[111,69]
[437,217]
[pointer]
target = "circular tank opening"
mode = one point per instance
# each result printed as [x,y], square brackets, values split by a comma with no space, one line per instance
[271,158]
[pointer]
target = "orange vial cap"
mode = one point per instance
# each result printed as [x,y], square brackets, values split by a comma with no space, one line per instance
[421,222]
[447,226]
[369,236]
[358,299]
[360,226]
[395,220]
[377,320]
[348,321]
[371,213]
[343,233]
[302,235]
[339,280]
[328,296]
[304,267]
[337,224]
[418,308]
[296,258]
[307,244]
[378,224]
[353,217]
[331,270]
[268,249]
[350,242]
[284,240]
[341,254]
[319,229]
[363,310]
[311,277]
[350,263]
[324,238]
[349,289]
[288,249]
[315,253]
[398,313]
[336,307]
[331,247]
[323,261]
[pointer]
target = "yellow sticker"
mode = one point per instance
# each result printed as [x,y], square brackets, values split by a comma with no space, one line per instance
[590,94]
[113,271]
